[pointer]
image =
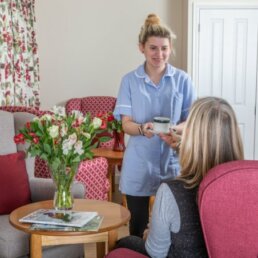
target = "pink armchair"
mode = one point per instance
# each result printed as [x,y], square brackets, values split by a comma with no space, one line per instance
[94,105]
[228,205]
[92,173]
[124,253]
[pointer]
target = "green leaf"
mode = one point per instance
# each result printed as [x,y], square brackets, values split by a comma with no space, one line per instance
[104,139]
[47,148]
[76,159]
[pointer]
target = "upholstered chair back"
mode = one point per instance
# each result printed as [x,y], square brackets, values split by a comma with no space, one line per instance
[228,204]
[92,104]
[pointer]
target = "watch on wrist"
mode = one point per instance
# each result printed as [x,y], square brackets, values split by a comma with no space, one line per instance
[140,129]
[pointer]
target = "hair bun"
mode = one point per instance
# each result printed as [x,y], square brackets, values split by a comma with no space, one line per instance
[152,19]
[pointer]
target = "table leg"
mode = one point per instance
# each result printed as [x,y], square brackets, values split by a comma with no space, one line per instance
[110,178]
[112,238]
[101,249]
[35,246]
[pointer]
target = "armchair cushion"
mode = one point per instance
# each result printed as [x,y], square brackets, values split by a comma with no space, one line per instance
[14,183]
[125,253]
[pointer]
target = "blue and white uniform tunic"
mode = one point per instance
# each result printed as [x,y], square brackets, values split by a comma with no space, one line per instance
[149,161]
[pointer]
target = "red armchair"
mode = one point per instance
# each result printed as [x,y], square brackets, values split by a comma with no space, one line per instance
[124,253]
[228,205]
[92,173]
[94,105]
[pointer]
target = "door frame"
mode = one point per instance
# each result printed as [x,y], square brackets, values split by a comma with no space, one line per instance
[194,7]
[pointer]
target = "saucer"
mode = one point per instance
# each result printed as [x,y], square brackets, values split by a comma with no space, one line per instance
[157,132]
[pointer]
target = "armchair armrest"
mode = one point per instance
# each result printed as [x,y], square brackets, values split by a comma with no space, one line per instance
[44,189]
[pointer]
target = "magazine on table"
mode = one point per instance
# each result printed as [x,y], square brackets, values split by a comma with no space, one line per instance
[92,225]
[61,218]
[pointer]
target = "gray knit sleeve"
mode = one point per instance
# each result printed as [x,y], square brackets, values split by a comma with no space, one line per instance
[164,219]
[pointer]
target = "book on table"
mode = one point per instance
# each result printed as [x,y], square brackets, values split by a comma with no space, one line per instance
[61,218]
[93,225]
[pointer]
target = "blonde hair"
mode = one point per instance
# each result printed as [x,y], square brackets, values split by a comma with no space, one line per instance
[211,137]
[153,27]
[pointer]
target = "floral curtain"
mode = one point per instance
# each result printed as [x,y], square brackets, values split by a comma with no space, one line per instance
[19,63]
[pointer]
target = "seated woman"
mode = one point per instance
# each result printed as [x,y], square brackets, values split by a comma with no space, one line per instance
[211,137]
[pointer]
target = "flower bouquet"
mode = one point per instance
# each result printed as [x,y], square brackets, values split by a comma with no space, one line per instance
[63,141]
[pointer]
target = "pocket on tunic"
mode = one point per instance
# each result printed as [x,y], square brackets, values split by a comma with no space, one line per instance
[177,107]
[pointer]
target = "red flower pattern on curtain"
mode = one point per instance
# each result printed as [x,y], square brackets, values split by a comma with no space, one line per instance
[19,63]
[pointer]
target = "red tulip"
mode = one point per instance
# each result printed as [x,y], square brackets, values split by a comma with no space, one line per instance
[32,134]
[35,140]
[111,118]
[103,125]
[19,138]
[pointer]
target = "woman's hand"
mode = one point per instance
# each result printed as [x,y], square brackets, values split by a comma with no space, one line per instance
[172,139]
[146,232]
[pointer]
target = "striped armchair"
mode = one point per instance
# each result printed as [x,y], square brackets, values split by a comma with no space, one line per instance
[92,173]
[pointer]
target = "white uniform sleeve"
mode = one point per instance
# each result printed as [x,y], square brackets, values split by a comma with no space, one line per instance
[165,218]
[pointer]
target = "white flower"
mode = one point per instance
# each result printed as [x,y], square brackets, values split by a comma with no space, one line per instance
[59,110]
[78,148]
[66,147]
[46,117]
[64,130]
[77,114]
[96,122]
[87,135]
[53,131]
[72,139]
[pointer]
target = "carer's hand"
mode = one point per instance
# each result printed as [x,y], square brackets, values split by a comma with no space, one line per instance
[147,129]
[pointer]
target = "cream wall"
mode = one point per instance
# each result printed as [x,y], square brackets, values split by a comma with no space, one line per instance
[86,46]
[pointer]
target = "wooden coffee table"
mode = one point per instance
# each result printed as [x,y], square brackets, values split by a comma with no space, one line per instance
[114,214]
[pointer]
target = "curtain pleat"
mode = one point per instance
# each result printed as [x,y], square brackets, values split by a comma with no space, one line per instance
[19,62]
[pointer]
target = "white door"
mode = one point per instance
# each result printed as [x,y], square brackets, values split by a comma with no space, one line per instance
[226,63]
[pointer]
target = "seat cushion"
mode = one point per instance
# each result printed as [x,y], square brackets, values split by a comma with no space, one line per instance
[14,183]
[124,253]
[13,242]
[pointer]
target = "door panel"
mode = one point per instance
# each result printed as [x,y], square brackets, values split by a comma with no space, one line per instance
[227,63]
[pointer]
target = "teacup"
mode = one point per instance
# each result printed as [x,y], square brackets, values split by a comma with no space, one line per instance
[161,124]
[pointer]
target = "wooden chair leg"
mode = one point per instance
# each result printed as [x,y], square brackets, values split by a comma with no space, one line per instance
[124,203]
[152,199]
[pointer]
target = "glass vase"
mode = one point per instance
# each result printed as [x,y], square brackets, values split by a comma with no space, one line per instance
[119,144]
[63,177]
